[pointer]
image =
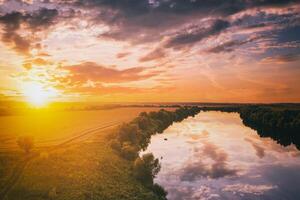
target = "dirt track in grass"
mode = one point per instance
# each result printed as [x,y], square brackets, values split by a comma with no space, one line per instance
[19,167]
[50,146]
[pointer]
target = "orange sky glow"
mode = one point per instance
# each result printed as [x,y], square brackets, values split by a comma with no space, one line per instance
[155,51]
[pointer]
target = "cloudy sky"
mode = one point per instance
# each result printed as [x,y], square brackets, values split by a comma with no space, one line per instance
[151,50]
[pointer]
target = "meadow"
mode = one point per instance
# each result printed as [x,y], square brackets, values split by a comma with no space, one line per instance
[49,127]
[72,157]
[86,170]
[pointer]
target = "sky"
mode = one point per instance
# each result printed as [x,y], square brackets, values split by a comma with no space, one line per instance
[150,50]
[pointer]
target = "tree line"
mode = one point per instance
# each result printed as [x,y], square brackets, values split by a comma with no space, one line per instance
[282,119]
[130,138]
[134,136]
[281,125]
[277,122]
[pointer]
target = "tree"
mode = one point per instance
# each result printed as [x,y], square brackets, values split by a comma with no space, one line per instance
[26,143]
[145,168]
[129,133]
[129,151]
[159,191]
[115,144]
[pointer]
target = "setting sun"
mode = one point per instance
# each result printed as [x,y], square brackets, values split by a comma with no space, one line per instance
[37,94]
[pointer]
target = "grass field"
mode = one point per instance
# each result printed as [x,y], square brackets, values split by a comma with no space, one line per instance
[81,169]
[48,128]
[86,170]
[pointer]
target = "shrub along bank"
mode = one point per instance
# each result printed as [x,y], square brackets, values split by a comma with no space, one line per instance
[132,137]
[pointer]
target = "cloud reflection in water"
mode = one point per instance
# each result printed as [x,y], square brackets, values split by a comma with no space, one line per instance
[214,156]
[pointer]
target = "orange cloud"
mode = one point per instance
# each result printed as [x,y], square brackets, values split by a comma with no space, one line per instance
[94,72]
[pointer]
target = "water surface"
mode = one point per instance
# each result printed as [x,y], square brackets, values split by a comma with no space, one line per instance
[214,156]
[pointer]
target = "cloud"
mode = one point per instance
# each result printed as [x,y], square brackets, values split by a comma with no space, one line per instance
[122,54]
[248,189]
[204,193]
[155,54]
[12,23]
[40,19]
[29,63]
[231,45]
[204,134]
[135,8]
[226,46]
[90,71]
[184,192]
[136,20]
[89,79]
[281,59]
[260,151]
[195,33]
[218,169]
[91,88]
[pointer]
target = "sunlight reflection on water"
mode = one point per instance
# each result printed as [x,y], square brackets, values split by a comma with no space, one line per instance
[214,156]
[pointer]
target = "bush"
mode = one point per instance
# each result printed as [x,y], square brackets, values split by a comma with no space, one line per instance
[115,144]
[145,168]
[26,143]
[159,191]
[129,132]
[143,121]
[129,151]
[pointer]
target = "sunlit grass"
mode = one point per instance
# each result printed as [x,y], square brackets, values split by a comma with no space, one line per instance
[88,170]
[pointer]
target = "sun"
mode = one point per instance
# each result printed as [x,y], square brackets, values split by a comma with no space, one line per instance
[37,94]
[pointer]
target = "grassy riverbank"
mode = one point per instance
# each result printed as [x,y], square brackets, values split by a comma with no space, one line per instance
[90,168]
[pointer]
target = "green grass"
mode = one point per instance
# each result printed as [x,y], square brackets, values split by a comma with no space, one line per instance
[7,161]
[87,170]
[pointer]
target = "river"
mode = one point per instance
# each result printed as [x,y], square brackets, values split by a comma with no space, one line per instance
[215,156]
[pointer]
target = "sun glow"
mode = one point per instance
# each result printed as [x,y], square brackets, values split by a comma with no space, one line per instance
[37,94]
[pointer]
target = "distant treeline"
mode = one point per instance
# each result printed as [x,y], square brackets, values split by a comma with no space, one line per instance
[281,125]
[276,122]
[282,119]
[28,110]
[130,138]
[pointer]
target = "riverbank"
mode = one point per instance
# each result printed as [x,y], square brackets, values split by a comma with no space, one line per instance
[87,169]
